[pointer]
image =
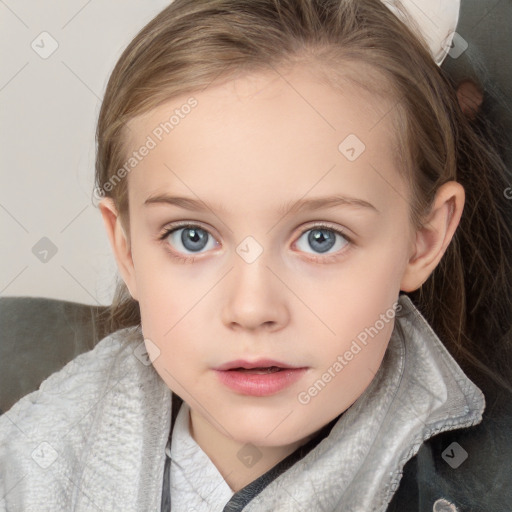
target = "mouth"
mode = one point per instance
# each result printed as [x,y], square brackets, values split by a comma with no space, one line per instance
[257,371]
[259,378]
[260,364]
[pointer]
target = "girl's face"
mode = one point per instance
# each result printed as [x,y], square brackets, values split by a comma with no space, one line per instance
[258,164]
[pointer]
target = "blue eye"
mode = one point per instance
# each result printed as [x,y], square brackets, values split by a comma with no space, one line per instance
[194,240]
[191,237]
[323,239]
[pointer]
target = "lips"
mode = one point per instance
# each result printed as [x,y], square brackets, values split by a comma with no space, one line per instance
[259,371]
[263,377]
[260,364]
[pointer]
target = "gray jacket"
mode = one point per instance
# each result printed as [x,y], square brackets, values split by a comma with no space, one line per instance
[93,437]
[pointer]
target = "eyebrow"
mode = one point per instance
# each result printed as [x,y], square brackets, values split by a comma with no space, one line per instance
[301,205]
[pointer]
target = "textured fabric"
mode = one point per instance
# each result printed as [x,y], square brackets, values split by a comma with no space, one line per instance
[240,498]
[418,392]
[478,478]
[93,437]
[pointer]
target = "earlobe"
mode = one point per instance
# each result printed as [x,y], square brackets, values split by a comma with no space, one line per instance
[434,237]
[120,243]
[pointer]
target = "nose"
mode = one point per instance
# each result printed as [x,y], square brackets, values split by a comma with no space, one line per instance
[255,298]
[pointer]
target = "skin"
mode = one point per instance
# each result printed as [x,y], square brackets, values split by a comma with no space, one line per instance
[251,146]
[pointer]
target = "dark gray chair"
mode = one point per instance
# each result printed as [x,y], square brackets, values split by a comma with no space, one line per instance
[38,337]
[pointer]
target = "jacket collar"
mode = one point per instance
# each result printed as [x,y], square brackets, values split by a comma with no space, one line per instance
[418,391]
[122,428]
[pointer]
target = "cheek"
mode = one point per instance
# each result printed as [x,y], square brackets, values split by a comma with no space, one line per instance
[359,307]
[170,320]
[173,302]
[160,288]
[350,364]
[358,291]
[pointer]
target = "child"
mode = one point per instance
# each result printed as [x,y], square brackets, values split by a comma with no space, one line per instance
[252,369]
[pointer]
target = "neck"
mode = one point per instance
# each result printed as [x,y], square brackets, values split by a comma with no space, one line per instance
[235,460]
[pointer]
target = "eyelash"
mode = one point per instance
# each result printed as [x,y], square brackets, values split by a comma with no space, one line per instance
[318,259]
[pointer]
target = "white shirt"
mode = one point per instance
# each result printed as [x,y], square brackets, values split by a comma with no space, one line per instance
[196,484]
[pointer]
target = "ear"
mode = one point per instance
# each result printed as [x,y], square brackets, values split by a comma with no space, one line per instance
[120,243]
[434,237]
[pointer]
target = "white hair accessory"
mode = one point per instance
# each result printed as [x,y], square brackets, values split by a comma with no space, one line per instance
[436,21]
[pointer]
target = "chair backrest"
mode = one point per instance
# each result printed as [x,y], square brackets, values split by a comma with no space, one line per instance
[39,336]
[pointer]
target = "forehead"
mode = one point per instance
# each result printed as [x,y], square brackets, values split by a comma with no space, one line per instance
[285,128]
[308,83]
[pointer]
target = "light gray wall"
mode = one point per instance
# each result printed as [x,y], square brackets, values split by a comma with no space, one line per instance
[49,103]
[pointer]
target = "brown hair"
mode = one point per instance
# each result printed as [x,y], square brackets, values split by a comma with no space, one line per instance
[190,44]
